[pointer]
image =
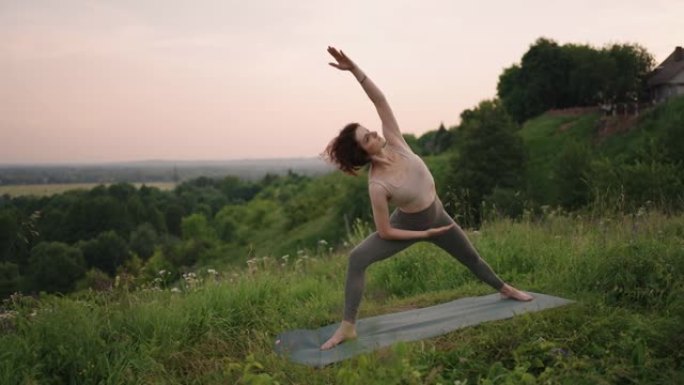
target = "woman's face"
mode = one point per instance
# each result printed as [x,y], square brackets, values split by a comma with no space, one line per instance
[371,142]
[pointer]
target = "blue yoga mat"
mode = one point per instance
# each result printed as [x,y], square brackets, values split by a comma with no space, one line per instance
[303,345]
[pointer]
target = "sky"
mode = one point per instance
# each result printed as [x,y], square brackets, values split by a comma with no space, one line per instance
[86,81]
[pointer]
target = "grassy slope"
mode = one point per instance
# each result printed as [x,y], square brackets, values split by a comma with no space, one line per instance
[546,136]
[626,327]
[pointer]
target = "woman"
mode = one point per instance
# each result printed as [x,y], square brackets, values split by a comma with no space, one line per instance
[398,176]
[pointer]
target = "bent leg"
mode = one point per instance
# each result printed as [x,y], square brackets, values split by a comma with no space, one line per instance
[371,250]
[456,243]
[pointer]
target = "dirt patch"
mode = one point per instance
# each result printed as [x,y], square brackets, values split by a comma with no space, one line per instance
[566,126]
[574,111]
[624,121]
[611,125]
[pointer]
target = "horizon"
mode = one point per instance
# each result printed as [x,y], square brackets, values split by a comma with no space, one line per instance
[93,82]
[171,161]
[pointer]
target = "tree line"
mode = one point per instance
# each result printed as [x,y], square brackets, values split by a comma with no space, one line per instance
[560,76]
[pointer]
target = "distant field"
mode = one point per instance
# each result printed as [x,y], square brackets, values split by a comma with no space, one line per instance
[51,189]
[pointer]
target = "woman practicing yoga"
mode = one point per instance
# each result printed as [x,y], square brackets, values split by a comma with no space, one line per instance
[396,176]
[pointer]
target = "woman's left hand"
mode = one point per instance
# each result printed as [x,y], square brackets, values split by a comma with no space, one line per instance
[435,231]
[343,62]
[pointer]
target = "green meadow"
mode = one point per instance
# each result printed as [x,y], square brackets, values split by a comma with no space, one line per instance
[218,327]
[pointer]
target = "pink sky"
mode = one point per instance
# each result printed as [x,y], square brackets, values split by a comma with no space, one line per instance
[98,81]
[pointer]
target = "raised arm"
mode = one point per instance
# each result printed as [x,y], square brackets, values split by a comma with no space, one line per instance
[390,127]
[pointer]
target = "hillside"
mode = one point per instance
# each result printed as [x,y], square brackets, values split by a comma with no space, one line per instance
[545,138]
[619,140]
[218,327]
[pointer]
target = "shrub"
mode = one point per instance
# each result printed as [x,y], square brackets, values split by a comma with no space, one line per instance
[55,266]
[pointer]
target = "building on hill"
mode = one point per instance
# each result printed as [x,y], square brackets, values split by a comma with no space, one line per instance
[667,80]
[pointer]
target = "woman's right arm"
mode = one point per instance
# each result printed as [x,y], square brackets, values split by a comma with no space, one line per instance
[385,230]
[390,127]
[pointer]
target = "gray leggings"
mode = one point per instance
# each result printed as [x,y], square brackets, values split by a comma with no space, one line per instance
[374,249]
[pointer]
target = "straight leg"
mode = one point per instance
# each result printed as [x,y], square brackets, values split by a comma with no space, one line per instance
[456,243]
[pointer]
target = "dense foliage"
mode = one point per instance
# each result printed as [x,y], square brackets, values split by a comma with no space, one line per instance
[489,165]
[554,76]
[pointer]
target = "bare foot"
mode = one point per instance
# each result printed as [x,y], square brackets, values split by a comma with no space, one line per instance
[508,291]
[346,331]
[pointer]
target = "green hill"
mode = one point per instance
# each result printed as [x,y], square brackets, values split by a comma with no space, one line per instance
[218,327]
[620,141]
[545,137]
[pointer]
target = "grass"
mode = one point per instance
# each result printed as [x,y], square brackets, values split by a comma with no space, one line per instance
[626,327]
[42,190]
[545,137]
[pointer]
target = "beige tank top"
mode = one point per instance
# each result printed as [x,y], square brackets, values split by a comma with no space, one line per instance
[416,189]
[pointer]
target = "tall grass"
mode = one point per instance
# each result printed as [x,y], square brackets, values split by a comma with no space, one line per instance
[627,326]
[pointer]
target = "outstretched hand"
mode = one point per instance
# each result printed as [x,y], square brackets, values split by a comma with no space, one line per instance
[343,62]
[439,230]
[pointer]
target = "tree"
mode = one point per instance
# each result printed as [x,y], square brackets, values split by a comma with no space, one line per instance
[236,190]
[121,191]
[96,214]
[143,239]
[589,73]
[543,76]
[229,224]
[173,216]
[513,93]
[106,252]
[491,155]
[9,228]
[442,140]
[553,76]
[632,64]
[196,226]
[198,241]
[9,278]
[55,267]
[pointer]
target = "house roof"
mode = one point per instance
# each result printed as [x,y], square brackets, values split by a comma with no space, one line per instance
[668,69]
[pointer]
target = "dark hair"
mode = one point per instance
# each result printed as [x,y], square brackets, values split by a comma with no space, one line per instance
[345,152]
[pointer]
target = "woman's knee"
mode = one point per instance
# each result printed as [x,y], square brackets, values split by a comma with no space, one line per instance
[357,259]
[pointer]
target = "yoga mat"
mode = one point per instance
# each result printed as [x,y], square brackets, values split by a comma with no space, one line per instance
[303,345]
